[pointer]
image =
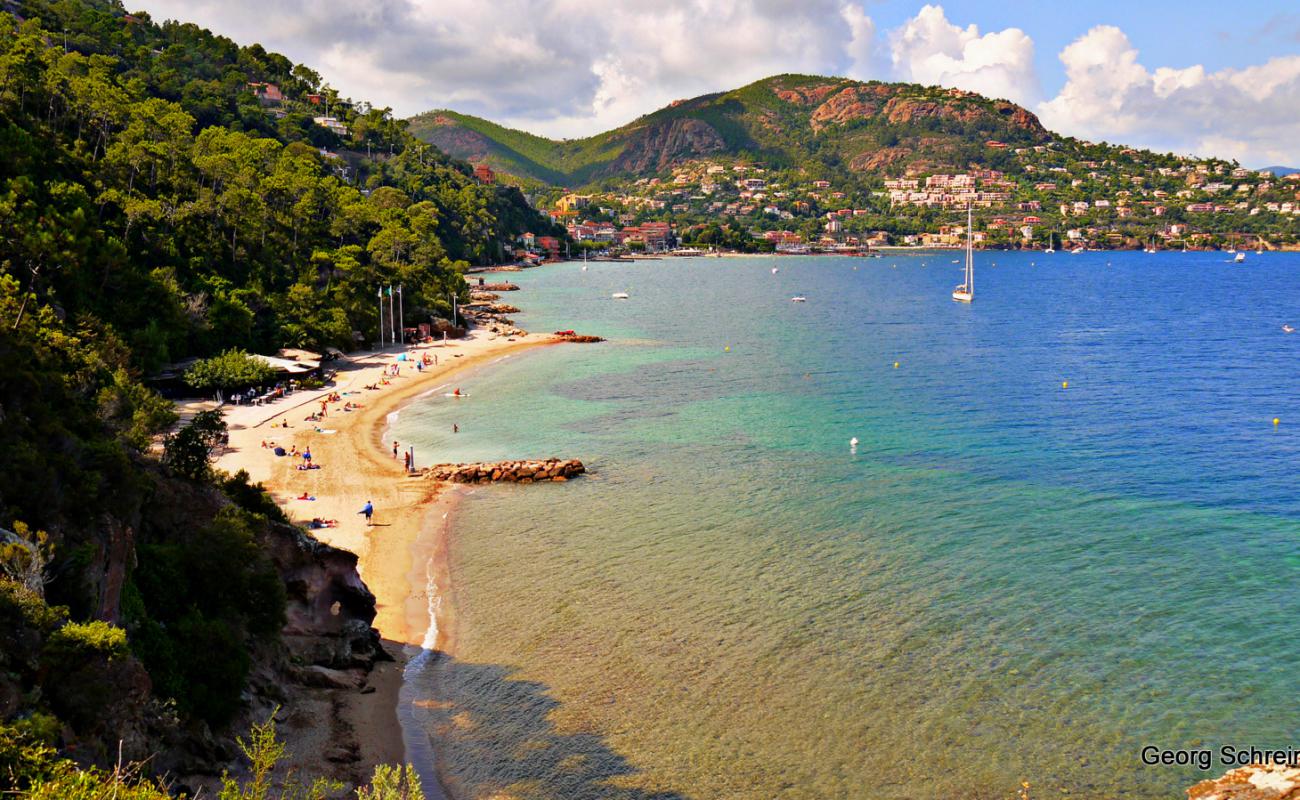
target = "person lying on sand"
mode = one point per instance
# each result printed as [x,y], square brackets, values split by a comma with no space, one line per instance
[317,522]
[306,466]
[305,496]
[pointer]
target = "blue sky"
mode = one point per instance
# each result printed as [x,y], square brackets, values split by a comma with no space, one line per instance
[1206,78]
[1216,34]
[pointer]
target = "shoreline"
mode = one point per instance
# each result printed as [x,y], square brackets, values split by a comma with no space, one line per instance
[410,535]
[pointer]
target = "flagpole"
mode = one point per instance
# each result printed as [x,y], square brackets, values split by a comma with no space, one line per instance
[401,316]
[381,318]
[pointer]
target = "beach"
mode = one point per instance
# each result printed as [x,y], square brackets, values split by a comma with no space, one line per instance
[358,466]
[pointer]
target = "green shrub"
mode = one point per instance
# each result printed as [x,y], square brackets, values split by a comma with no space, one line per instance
[251,497]
[27,756]
[392,783]
[21,607]
[78,642]
[263,751]
[233,369]
[188,451]
[212,593]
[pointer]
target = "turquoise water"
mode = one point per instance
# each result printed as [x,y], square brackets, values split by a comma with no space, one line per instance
[1007,581]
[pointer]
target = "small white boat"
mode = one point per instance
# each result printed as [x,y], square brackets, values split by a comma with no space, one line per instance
[584,267]
[775,270]
[965,293]
[1077,251]
[798,299]
[853,443]
[620,295]
[1049,248]
[1240,257]
[1288,329]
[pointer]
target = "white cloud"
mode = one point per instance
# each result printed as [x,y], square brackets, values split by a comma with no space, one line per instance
[1251,114]
[564,67]
[929,49]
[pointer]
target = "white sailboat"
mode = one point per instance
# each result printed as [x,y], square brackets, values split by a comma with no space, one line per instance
[965,293]
[1049,249]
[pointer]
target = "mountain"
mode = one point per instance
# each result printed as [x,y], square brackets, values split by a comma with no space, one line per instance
[1280,171]
[828,124]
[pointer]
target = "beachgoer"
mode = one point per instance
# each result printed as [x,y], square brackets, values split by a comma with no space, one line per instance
[406,459]
[455,428]
[394,449]
[306,455]
[368,510]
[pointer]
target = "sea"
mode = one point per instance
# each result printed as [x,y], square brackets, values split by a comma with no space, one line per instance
[1067,539]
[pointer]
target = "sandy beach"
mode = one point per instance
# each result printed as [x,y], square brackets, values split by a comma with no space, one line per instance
[409,527]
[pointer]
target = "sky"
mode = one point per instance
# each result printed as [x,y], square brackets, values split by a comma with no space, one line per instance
[1193,77]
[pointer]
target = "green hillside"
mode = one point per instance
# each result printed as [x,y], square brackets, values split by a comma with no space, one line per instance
[827,125]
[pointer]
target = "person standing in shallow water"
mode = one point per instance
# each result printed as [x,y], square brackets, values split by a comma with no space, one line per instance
[394,449]
[368,509]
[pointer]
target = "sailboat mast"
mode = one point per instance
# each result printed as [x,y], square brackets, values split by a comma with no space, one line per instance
[970,255]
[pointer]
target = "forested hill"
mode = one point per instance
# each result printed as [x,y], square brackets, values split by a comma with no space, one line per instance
[833,125]
[153,206]
[145,182]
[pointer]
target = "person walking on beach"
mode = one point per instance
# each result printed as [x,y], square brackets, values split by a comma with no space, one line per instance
[368,509]
[394,449]
[406,460]
[306,455]
[455,428]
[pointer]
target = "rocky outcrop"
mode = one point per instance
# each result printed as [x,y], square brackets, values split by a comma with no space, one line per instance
[499,308]
[854,102]
[579,338]
[328,608]
[550,469]
[658,146]
[497,287]
[805,95]
[1255,782]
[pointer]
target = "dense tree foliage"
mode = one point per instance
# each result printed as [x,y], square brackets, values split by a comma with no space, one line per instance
[141,181]
[152,207]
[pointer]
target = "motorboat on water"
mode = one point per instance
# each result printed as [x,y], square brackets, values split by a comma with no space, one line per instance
[620,295]
[798,299]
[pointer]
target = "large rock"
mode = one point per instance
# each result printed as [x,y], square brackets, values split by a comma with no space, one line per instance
[328,609]
[1255,782]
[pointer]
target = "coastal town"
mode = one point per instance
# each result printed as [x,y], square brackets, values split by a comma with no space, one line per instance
[1046,200]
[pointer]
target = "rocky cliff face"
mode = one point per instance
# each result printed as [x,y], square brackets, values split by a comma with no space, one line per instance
[657,147]
[329,609]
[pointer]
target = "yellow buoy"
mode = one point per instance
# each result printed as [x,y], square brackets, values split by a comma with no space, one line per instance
[1065,384]
[727,349]
[1276,420]
[895,365]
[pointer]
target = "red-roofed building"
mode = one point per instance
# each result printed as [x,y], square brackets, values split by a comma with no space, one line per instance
[484,174]
[550,244]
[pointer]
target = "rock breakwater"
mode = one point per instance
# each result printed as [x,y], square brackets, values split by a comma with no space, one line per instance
[535,471]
